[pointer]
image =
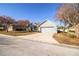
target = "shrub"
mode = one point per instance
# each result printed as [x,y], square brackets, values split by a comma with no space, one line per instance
[70,34]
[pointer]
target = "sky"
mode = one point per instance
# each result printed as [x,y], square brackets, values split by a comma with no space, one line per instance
[34,12]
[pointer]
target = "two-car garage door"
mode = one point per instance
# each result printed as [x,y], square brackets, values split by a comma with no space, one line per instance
[48,30]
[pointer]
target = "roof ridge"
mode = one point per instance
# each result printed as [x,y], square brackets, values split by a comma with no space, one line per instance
[42,22]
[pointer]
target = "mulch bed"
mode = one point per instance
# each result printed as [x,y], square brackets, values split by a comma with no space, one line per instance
[63,39]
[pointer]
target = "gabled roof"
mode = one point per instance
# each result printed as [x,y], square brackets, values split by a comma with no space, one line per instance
[47,23]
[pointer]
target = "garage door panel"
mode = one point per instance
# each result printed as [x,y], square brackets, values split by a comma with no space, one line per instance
[44,30]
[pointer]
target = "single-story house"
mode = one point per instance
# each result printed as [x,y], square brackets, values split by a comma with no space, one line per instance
[10,27]
[48,27]
[18,27]
[33,27]
[3,27]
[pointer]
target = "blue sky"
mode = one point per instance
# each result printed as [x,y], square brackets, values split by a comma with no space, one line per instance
[35,12]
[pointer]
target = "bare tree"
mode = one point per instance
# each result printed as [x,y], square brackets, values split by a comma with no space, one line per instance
[23,22]
[68,13]
[7,21]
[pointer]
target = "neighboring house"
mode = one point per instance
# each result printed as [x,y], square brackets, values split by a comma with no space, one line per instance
[17,27]
[47,27]
[10,27]
[71,29]
[3,27]
[21,25]
[32,27]
[75,30]
[44,27]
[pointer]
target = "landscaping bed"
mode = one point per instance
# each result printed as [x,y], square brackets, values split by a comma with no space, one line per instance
[17,33]
[66,38]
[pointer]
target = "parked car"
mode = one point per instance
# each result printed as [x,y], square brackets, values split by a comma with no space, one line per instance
[59,30]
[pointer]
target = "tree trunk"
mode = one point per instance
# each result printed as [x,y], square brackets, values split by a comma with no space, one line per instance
[7,27]
[63,30]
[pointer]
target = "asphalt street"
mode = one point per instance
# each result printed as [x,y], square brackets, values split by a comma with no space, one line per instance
[14,46]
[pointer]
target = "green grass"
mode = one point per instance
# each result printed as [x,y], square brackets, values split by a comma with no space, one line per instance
[16,33]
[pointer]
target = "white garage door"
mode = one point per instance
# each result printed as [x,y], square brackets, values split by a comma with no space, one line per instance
[48,30]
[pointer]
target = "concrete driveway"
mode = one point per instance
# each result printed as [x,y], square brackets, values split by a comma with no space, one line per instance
[14,46]
[42,37]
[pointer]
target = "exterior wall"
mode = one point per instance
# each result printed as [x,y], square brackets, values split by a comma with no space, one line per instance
[19,28]
[3,27]
[10,28]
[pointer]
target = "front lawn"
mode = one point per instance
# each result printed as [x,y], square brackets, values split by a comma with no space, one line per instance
[66,38]
[16,33]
